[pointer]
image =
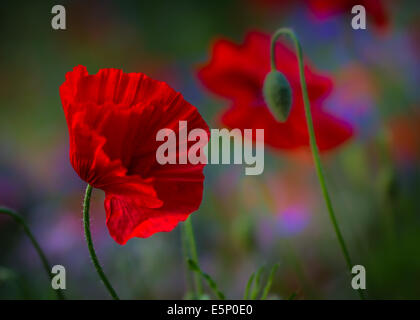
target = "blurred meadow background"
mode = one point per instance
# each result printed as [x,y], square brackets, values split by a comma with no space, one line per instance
[244,222]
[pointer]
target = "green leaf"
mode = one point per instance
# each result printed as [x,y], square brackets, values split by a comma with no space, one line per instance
[212,284]
[269,281]
[292,296]
[248,286]
[256,286]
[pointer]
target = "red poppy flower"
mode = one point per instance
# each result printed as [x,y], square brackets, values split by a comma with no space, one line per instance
[113,118]
[374,8]
[237,72]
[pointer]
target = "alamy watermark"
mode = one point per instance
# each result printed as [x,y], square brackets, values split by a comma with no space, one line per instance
[358,22]
[219,146]
[58,281]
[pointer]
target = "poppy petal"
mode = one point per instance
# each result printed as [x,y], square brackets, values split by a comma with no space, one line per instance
[113,120]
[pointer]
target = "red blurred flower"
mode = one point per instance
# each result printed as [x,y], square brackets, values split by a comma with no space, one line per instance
[113,118]
[374,9]
[237,72]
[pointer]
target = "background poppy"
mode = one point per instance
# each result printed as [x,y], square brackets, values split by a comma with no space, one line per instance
[237,72]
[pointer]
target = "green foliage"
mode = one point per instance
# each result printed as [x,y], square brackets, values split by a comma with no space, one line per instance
[211,283]
[269,281]
[248,286]
[256,285]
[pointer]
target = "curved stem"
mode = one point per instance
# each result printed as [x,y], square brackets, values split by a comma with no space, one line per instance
[312,140]
[86,224]
[35,243]
[192,249]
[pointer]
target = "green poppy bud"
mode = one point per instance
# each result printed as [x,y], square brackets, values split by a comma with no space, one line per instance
[278,95]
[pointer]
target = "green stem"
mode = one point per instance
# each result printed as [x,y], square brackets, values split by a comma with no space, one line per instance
[35,243]
[86,223]
[185,253]
[192,249]
[312,140]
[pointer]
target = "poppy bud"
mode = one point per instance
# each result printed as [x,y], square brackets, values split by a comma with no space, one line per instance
[278,95]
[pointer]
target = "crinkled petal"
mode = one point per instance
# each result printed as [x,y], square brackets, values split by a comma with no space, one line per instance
[113,119]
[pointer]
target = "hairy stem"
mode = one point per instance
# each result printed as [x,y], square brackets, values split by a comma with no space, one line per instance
[86,224]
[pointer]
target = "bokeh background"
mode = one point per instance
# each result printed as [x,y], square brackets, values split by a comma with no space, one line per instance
[244,221]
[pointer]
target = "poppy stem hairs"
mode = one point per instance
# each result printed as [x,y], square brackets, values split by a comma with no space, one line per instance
[86,224]
[35,243]
[311,132]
